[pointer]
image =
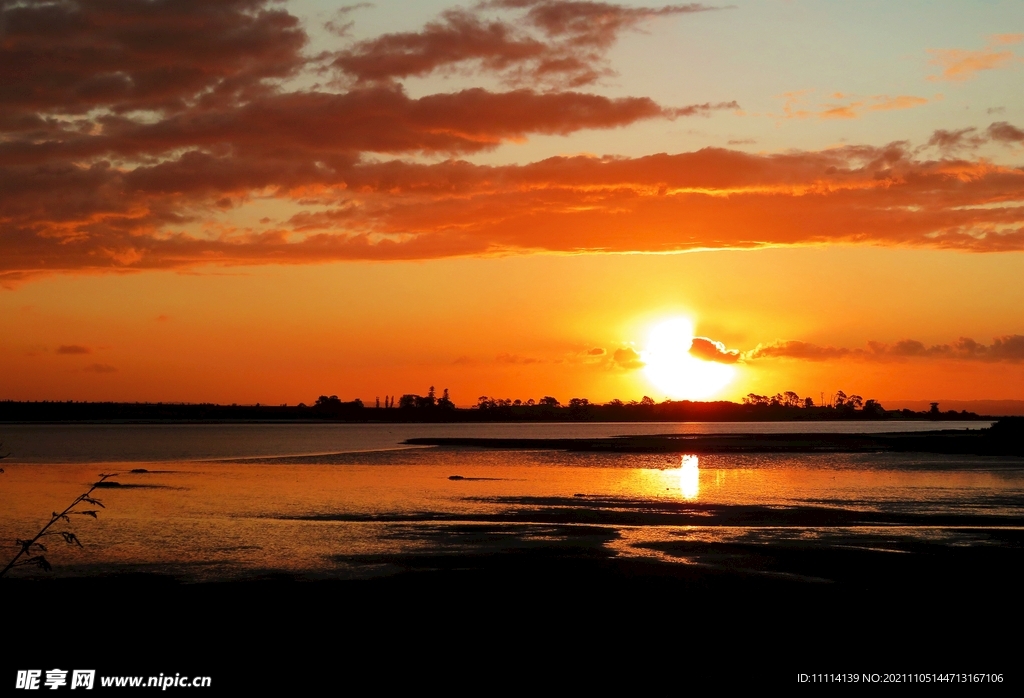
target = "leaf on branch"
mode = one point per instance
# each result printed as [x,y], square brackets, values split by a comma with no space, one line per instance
[93,501]
[71,539]
[89,512]
[38,561]
[27,544]
[58,517]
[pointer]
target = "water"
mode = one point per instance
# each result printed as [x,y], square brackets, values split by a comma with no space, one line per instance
[144,443]
[230,501]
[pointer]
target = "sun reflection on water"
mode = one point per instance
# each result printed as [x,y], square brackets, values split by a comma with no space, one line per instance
[689,477]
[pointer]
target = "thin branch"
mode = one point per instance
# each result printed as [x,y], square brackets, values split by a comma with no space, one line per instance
[68,536]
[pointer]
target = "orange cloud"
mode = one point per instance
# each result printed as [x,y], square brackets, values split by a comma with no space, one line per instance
[961,64]
[94,218]
[1004,39]
[886,103]
[853,109]
[89,185]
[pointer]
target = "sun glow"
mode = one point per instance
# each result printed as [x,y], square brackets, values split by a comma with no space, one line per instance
[670,367]
[689,477]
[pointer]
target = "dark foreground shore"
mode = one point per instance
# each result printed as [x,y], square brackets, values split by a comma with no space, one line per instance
[567,615]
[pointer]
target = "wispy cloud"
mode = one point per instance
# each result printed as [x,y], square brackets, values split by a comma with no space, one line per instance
[73,349]
[959,65]
[798,105]
[558,42]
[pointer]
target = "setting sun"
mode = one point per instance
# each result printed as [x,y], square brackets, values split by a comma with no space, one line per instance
[670,367]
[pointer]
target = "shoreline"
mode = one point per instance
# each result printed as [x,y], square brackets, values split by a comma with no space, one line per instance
[983,442]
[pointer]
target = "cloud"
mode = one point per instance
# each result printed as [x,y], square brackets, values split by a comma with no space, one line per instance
[886,103]
[560,42]
[710,350]
[959,65]
[1005,39]
[305,128]
[67,57]
[596,351]
[848,109]
[97,217]
[627,358]
[161,173]
[73,349]
[99,368]
[516,359]
[792,349]
[952,140]
[1008,348]
[1006,133]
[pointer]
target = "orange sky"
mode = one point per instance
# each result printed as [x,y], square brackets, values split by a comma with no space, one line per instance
[252,202]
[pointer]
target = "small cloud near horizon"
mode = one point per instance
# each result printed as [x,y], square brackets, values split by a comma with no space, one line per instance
[627,358]
[709,350]
[73,349]
[1008,348]
[516,359]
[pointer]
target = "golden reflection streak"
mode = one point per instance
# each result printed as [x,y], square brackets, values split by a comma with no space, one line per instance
[689,477]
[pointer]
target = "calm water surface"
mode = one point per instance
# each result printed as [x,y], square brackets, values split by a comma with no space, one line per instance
[231,501]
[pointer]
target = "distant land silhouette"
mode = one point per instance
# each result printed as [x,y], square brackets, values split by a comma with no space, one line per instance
[1007,408]
[1004,438]
[429,408]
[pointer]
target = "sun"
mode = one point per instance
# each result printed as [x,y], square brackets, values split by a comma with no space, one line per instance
[670,367]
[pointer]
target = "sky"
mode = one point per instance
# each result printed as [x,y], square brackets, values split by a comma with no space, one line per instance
[245,201]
